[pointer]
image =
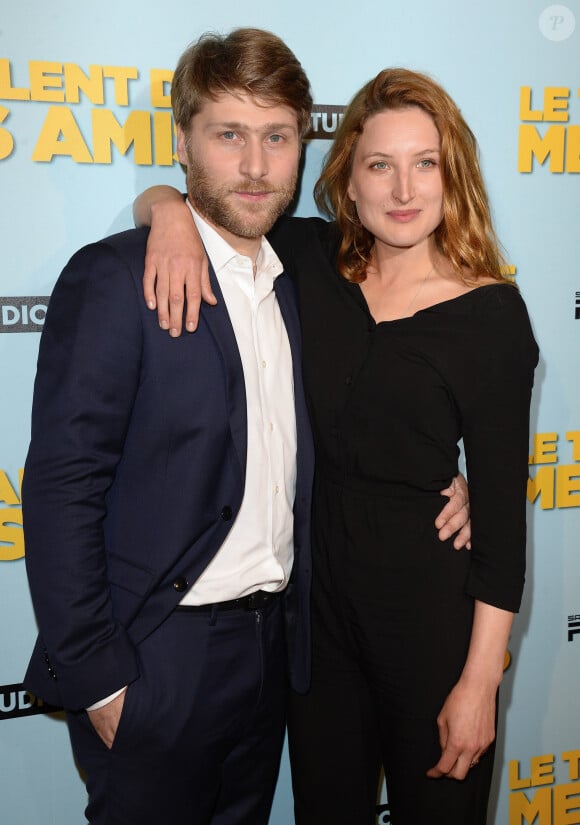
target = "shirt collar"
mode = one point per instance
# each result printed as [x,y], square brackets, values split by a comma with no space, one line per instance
[221,253]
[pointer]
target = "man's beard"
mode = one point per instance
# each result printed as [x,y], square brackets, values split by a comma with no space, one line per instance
[249,220]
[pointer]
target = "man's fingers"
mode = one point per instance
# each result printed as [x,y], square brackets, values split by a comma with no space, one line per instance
[454,523]
[105,720]
[455,505]
[450,520]
[463,538]
[454,518]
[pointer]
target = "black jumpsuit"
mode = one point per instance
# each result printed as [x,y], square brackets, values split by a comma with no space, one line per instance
[392,605]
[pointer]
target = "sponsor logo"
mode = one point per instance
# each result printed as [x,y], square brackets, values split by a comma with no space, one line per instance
[325,121]
[573,627]
[383,815]
[23,314]
[15,701]
[577,307]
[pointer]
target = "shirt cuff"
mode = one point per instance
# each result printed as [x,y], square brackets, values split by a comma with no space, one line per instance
[102,702]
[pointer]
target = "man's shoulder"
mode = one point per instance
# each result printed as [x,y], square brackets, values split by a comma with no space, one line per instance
[126,248]
[106,266]
[129,242]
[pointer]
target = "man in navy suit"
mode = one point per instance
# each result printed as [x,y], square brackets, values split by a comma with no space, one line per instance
[167,487]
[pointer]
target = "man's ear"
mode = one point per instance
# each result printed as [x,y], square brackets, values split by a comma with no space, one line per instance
[181,150]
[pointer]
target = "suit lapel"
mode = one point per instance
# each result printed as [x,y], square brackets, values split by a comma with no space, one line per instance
[220,327]
[287,301]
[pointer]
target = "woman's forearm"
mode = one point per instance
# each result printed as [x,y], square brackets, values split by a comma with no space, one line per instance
[144,203]
[489,639]
[467,719]
[176,266]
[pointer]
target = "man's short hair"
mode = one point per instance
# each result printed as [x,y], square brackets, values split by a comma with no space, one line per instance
[246,61]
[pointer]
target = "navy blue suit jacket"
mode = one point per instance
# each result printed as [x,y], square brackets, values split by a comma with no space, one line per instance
[136,472]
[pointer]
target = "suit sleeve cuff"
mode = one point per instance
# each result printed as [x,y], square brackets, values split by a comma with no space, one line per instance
[102,702]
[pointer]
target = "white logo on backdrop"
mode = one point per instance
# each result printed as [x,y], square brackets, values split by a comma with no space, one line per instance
[557,22]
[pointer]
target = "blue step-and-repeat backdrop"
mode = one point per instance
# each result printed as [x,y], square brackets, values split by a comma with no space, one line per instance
[85,125]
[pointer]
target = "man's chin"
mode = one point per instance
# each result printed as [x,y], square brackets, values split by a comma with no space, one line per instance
[251,225]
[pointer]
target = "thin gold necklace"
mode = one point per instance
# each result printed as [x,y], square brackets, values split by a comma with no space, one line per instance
[419,288]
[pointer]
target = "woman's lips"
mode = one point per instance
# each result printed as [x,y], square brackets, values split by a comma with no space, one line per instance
[403,215]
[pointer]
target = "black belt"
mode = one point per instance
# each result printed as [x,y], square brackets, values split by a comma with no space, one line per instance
[254,601]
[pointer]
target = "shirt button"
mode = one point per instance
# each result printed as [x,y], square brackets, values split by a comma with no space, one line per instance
[180,584]
[348,380]
[276,489]
[263,364]
[226,513]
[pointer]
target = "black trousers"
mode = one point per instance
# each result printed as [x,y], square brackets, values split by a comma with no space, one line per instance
[201,732]
[391,629]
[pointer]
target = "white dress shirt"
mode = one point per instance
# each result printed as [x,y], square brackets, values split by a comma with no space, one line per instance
[258,551]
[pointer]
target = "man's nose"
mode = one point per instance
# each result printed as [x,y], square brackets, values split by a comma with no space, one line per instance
[254,163]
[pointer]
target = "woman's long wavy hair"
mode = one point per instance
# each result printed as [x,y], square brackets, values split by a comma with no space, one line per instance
[465,235]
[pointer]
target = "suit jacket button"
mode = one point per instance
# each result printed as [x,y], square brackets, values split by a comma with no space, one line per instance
[226,513]
[180,584]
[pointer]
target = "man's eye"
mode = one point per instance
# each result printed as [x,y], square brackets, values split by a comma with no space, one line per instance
[228,135]
[276,138]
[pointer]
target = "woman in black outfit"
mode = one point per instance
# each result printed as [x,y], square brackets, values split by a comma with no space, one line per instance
[412,340]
